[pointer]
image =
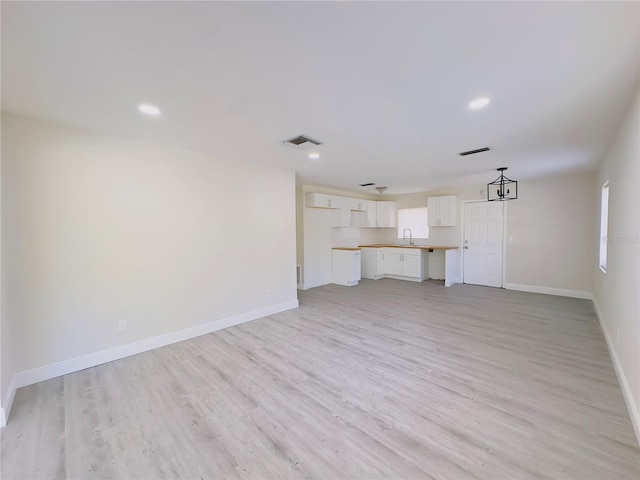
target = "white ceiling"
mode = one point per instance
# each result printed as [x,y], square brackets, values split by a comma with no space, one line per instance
[384,85]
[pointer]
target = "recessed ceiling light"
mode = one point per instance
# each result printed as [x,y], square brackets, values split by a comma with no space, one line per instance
[479,103]
[150,110]
[314,155]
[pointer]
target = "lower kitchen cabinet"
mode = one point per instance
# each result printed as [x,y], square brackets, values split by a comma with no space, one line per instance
[405,262]
[392,263]
[346,266]
[411,265]
[372,263]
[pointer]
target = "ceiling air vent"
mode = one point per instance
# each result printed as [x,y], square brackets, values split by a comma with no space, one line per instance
[302,142]
[472,152]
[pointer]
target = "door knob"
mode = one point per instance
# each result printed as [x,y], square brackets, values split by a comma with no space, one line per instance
[466,248]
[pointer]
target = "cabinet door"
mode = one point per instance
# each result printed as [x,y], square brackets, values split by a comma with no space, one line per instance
[320,200]
[369,262]
[433,211]
[359,205]
[380,263]
[345,217]
[386,214]
[448,211]
[392,263]
[411,266]
[372,214]
[356,267]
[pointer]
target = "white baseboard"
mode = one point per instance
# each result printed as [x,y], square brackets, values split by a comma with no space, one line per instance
[40,374]
[634,413]
[8,402]
[549,291]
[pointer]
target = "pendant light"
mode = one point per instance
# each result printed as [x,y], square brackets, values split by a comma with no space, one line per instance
[502,188]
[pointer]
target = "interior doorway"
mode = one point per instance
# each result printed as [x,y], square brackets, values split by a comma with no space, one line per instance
[483,243]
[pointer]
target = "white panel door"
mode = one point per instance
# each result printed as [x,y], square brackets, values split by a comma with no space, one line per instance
[483,226]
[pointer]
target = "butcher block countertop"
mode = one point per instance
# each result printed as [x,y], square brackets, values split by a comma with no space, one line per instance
[346,248]
[423,247]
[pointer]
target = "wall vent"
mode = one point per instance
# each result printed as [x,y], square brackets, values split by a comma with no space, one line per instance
[302,142]
[471,152]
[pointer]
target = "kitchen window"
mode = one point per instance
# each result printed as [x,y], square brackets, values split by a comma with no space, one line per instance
[415,219]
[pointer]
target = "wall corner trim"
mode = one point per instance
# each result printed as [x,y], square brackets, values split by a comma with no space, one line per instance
[561,292]
[8,402]
[46,372]
[634,413]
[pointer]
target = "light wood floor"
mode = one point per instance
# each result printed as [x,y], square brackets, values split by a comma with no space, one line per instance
[387,379]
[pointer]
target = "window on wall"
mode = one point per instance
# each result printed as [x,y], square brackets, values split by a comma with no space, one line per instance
[604,226]
[415,219]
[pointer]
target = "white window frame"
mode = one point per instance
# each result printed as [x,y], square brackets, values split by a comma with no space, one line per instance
[604,226]
[418,230]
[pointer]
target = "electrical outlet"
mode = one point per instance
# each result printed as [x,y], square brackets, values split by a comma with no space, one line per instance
[122,325]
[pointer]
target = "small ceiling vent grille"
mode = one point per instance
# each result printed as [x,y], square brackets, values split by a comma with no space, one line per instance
[472,152]
[302,142]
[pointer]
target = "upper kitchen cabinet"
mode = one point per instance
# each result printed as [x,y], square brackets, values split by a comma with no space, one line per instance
[385,214]
[442,211]
[372,214]
[355,212]
[320,200]
[358,204]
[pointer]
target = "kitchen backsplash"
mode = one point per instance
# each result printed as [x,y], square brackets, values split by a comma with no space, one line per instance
[352,237]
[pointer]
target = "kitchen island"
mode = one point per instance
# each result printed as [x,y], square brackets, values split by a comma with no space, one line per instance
[406,262]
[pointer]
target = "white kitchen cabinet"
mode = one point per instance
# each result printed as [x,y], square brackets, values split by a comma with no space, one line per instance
[359,204]
[372,263]
[405,263]
[345,217]
[442,211]
[368,213]
[320,200]
[411,265]
[392,262]
[385,214]
[372,214]
[380,264]
[346,267]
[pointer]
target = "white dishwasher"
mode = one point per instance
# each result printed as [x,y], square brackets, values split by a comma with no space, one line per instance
[345,266]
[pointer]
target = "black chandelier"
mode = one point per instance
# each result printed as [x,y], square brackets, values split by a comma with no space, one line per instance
[502,188]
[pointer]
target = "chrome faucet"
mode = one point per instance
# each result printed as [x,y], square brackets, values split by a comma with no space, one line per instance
[404,236]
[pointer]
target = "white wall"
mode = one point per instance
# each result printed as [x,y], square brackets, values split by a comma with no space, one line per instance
[98,229]
[552,225]
[617,292]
